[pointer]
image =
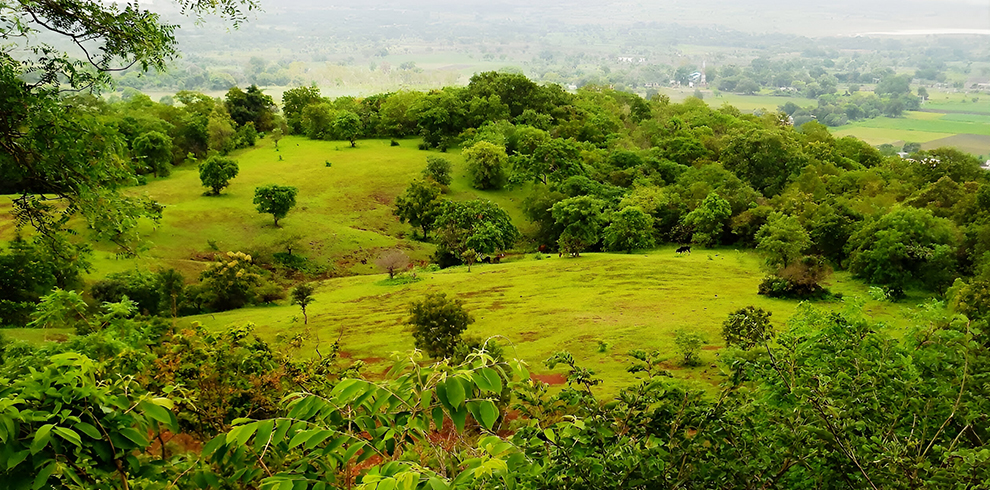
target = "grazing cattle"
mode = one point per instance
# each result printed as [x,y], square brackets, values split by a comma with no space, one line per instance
[543,248]
[685,248]
[498,258]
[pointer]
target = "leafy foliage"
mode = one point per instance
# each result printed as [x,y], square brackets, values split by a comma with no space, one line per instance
[275,199]
[216,173]
[437,324]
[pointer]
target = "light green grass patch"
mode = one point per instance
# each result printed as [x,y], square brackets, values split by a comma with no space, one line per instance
[538,307]
[879,136]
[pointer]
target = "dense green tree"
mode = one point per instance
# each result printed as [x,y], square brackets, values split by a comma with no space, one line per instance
[275,199]
[551,160]
[216,173]
[439,115]
[905,247]
[630,229]
[221,131]
[154,151]
[294,101]
[231,281]
[708,220]
[581,220]
[347,125]
[437,324]
[25,276]
[420,205]
[782,240]
[487,164]
[141,287]
[438,169]
[317,120]
[747,328]
[765,158]
[932,165]
[251,105]
[479,224]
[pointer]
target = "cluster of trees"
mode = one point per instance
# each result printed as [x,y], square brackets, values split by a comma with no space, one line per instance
[891,98]
[611,171]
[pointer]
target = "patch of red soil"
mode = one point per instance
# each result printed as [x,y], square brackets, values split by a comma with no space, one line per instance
[712,347]
[185,442]
[550,379]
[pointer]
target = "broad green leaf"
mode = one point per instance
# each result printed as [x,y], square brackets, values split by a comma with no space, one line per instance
[156,412]
[42,477]
[317,438]
[426,400]
[487,414]
[281,427]
[135,436]
[263,435]
[442,396]
[89,430]
[17,458]
[212,446]
[41,438]
[301,437]
[459,416]
[482,381]
[438,484]
[387,484]
[69,435]
[455,392]
[351,451]
[438,417]
[241,433]
[493,378]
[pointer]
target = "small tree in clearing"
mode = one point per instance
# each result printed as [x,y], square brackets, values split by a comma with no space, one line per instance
[276,200]
[689,347]
[216,173]
[469,256]
[747,327]
[302,295]
[437,324]
[392,261]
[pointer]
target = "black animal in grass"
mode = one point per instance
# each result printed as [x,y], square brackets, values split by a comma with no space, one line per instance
[684,249]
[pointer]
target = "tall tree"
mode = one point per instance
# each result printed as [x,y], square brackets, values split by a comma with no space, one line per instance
[420,205]
[154,151]
[487,163]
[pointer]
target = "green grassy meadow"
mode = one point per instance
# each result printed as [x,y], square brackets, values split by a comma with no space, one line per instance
[343,214]
[539,307]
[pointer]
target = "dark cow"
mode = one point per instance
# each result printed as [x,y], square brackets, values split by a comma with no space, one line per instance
[684,249]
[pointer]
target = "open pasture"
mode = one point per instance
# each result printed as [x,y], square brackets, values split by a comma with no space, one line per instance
[342,221]
[597,306]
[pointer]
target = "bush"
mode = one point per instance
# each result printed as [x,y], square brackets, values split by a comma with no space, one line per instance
[689,347]
[140,287]
[437,324]
[747,327]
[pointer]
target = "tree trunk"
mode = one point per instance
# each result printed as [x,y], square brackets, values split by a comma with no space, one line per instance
[305,317]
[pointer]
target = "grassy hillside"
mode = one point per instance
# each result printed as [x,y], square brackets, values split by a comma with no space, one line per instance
[538,307]
[343,214]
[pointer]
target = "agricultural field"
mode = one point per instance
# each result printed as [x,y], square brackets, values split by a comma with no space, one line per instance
[967,132]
